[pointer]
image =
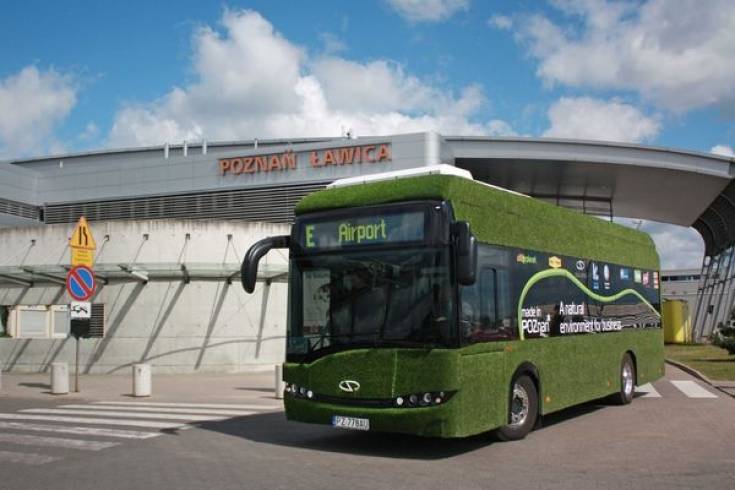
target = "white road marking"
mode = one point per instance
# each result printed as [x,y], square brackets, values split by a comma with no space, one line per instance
[80,431]
[64,411]
[195,405]
[97,421]
[649,390]
[692,389]
[25,458]
[63,442]
[161,409]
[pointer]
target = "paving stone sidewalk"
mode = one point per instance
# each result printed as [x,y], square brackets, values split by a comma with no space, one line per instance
[220,388]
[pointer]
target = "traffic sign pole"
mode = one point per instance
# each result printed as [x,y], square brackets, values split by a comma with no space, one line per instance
[80,281]
[76,370]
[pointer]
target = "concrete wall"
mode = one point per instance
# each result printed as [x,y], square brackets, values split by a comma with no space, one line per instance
[177,327]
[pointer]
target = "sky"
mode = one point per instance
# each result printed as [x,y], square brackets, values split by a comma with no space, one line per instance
[80,75]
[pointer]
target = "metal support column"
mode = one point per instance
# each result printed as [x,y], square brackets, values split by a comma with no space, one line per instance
[719,287]
[706,313]
[707,262]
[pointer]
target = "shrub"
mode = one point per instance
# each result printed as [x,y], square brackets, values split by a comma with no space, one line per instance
[724,337]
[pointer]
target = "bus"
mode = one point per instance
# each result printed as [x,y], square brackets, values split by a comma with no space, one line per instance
[437,305]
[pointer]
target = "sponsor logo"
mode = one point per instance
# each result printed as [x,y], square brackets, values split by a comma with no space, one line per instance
[349,385]
[606,276]
[595,276]
[554,262]
[655,280]
[580,265]
[645,279]
[637,276]
[624,274]
[525,259]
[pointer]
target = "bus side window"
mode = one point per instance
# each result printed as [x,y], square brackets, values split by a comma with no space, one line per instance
[479,317]
[505,318]
[488,315]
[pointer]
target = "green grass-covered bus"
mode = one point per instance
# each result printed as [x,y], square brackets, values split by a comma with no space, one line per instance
[441,306]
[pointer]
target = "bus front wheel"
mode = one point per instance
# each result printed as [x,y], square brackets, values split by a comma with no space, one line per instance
[627,381]
[522,410]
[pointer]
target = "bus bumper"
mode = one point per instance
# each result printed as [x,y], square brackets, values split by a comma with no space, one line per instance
[436,421]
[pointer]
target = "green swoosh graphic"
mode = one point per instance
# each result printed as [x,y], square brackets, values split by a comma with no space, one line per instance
[565,273]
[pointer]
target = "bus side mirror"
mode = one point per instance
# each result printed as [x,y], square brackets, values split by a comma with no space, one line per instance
[249,269]
[466,253]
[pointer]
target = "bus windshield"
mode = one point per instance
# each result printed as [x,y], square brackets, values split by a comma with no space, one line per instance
[345,300]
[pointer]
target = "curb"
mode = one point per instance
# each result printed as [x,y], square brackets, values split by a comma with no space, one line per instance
[697,374]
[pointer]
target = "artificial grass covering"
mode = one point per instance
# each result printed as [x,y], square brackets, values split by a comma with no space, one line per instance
[572,370]
[504,218]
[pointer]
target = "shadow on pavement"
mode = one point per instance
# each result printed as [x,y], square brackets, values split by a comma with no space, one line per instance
[273,428]
[573,412]
[262,390]
[45,386]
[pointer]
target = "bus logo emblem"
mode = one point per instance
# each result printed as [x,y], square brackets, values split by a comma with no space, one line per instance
[349,386]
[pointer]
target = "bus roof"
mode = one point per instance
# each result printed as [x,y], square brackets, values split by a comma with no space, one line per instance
[503,218]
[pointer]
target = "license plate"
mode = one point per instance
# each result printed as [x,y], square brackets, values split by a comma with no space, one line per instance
[352,423]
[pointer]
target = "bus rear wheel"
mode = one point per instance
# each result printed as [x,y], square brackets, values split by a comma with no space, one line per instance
[627,381]
[522,410]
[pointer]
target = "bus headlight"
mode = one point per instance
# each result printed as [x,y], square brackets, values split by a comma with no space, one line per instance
[426,399]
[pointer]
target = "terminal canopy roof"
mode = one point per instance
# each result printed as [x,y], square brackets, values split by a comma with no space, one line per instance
[106,273]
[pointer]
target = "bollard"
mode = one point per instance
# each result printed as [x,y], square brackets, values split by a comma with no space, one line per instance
[141,380]
[59,378]
[279,381]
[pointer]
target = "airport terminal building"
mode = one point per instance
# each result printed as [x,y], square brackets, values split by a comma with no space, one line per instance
[173,222]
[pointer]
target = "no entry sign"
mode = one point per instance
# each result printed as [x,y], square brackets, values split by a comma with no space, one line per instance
[80,283]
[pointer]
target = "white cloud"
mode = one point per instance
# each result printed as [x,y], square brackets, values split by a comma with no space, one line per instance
[252,82]
[724,150]
[677,56]
[502,22]
[32,104]
[331,43]
[91,131]
[428,10]
[595,119]
[677,246]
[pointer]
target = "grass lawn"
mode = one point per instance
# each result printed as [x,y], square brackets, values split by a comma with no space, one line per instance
[713,362]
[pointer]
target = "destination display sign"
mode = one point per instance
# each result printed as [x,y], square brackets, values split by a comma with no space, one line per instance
[364,230]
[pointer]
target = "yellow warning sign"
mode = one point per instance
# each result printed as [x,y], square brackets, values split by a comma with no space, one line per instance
[82,256]
[82,237]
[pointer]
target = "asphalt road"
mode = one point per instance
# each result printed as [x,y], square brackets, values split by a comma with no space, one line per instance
[676,437]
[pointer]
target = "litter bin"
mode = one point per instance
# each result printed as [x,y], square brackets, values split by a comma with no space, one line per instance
[677,324]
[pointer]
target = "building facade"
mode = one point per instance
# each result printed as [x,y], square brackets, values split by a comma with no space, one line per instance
[173,222]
